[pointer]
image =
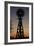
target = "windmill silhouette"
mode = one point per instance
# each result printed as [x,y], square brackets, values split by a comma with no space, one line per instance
[20,30]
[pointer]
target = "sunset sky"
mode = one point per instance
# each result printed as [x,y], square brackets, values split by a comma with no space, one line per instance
[14,20]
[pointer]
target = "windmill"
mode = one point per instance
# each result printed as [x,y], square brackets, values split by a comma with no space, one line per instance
[20,31]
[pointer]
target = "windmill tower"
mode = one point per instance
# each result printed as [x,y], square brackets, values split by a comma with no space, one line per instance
[20,31]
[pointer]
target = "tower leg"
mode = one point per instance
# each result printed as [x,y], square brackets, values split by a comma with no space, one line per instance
[20,32]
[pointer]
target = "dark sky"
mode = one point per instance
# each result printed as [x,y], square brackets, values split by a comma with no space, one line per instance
[14,18]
